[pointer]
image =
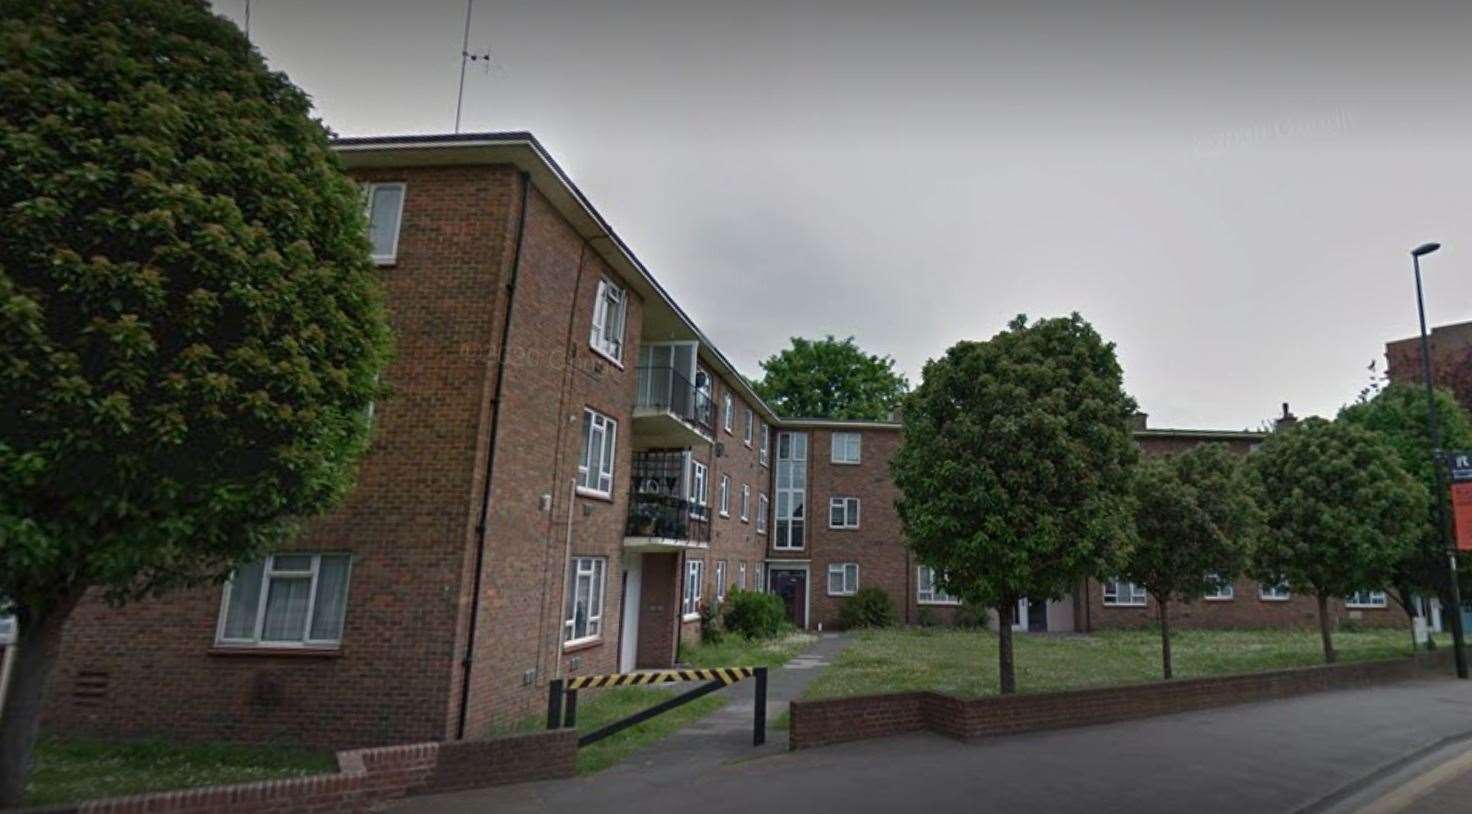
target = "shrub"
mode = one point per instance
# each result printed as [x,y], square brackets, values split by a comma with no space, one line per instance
[711,630]
[754,615]
[970,616]
[927,617]
[870,607]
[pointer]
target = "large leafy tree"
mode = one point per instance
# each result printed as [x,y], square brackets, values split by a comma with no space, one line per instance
[831,378]
[1193,518]
[190,326]
[1014,469]
[1397,414]
[1340,512]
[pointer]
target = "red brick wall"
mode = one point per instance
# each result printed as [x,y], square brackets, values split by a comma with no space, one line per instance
[817,723]
[409,524]
[1245,610]
[1451,360]
[659,607]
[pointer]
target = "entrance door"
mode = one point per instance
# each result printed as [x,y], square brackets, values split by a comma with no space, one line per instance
[792,586]
[628,651]
[1030,616]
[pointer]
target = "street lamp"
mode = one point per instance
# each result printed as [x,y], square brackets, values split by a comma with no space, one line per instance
[1436,465]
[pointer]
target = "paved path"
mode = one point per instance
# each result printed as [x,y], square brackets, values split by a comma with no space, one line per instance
[1280,756]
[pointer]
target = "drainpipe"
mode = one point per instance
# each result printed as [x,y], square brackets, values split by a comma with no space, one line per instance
[485,504]
[572,502]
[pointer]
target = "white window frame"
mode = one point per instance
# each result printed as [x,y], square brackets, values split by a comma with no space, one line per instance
[602,483]
[756,578]
[842,570]
[725,495]
[1113,597]
[765,453]
[850,508]
[612,303]
[840,452]
[762,507]
[727,408]
[1367,599]
[750,423]
[741,576]
[371,190]
[595,569]
[699,489]
[796,469]
[746,503]
[1277,592]
[268,573]
[1224,591]
[690,596]
[934,596]
[720,580]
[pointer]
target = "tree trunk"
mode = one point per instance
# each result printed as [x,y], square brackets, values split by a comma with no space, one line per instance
[1004,647]
[37,648]
[1164,637]
[1329,655]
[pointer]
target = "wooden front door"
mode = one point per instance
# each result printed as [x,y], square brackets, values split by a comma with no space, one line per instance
[792,586]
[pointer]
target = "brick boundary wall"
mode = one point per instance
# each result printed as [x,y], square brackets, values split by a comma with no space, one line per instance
[819,723]
[366,779]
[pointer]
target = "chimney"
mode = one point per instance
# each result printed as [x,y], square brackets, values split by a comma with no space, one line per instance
[1138,420]
[1285,421]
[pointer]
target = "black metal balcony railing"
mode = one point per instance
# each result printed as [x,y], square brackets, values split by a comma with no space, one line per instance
[666,389]
[667,518]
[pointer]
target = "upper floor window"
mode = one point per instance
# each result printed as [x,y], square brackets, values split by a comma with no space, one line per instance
[725,496]
[764,453]
[928,592]
[699,502]
[690,602]
[1118,593]
[609,309]
[843,512]
[595,468]
[745,502]
[385,208]
[1221,591]
[792,483]
[846,447]
[843,579]
[761,514]
[727,408]
[1277,592]
[750,424]
[1366,599]
[584,618]
[286,600]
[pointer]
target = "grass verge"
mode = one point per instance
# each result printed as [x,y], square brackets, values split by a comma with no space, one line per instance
[964,662]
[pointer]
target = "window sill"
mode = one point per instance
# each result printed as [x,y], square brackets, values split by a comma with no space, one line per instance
[1218,598]
[690,617]
[385,261]
[618,363]
[1125,604]
[846,463]
[274,652]
[726,515]
[851,593]
[584,491]
[577,645]
[937,603]
[745,520]
[843,528]
[1274,598]
[1365,607]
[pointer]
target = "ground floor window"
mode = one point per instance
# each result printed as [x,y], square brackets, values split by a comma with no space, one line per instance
[1277,592]
[927,592]
[584,618]
[721,581]
[286,600]
[741,577]
[694,571]
[1221,589]
[756,578]
[1365,599]
[1118,593]
[843,578]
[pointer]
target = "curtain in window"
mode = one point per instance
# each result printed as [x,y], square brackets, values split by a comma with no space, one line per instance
[332,595]
[286,609]
[245,598]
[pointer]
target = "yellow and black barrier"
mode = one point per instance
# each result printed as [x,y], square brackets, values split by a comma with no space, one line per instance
[562,696]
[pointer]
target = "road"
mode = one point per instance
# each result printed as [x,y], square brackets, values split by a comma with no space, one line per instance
[1315,753]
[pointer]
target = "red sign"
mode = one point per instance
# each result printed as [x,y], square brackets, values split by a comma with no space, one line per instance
[1462,514]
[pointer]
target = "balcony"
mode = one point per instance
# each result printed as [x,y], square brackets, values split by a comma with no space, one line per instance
[670,411]
[660,517]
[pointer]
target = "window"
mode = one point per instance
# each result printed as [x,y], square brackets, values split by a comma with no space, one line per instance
[764,453]
[843,578]
[286,600]
[1365,599]
[584,618]
[761,514]
[843,513]
[607,336]
[1118,593]
[726,410]
[385,207]
[699,501]
[1274,593]
[846,447]
[1221,591]
[595,470]
[741,576]
[792,483]
[721,581]
[725,496]
[750,425]
[927,592]
[756,578]
[694,572]
[745,502]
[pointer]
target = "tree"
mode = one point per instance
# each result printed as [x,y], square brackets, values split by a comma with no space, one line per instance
[1193,515]
[828,378]
[192,328]
[1397,414]
[1340,513]
[1014,468]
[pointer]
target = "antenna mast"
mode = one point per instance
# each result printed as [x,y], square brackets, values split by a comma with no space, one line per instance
[464,58]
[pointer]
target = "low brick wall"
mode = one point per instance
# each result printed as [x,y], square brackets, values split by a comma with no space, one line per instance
[367,778]
[818,723]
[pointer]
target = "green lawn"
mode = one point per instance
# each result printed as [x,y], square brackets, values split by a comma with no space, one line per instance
[68,770]
[964,662]
[736,651]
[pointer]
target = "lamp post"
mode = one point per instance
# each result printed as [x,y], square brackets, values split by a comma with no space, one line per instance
[1434,431]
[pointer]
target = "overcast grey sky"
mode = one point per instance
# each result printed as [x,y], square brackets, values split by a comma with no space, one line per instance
[1227,191]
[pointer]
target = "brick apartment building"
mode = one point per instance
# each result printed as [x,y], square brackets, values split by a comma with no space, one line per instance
[566,470]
